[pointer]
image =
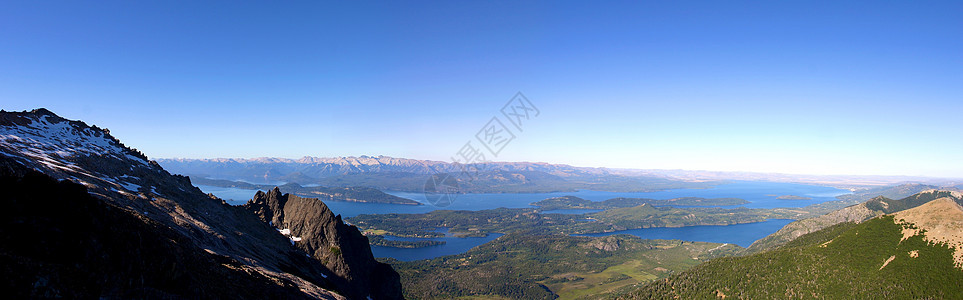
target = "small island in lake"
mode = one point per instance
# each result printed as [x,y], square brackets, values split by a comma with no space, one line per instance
[572,202]
[380,240]
[793,197]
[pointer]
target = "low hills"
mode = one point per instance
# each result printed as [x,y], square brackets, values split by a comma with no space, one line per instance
[910,254]
[876,206]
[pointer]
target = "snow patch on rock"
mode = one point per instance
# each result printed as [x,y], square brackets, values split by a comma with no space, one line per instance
[129,186]
[50,141]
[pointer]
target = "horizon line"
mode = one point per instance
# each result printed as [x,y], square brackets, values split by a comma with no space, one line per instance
[908,177]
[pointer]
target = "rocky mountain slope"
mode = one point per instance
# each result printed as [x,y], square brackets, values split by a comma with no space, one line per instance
[912,254]
[122,181]
[58,241]
[313,228]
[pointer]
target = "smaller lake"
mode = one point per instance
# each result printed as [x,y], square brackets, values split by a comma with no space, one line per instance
[570,211]
[233,196]
[452,246]
[739,234]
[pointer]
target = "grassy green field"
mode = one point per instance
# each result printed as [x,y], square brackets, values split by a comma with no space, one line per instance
[536,266]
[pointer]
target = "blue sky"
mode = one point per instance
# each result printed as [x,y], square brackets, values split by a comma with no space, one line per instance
[776,86]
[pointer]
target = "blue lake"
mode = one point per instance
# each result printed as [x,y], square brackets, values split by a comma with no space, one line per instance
[570,211]
[452,246]
[234,196]
[759,194]
[739,234]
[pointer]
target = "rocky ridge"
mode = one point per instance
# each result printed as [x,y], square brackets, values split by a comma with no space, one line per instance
[861,212]
[314,229]
[118,176]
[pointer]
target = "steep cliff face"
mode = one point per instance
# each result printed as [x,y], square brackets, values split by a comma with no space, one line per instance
[313,228]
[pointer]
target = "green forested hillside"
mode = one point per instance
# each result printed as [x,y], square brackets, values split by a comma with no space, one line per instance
[844,261]
[876,206]
[887,205]
[523,265]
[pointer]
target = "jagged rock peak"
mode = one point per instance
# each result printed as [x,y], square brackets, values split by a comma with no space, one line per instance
[315,229]
[43,111]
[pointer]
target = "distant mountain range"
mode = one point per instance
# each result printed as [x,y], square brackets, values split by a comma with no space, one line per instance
[84,216]
[266,168]
[853,182]
[346,194]
[410,175]
[403,174]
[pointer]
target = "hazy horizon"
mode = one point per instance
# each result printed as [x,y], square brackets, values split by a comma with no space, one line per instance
[562,163]
[821,88]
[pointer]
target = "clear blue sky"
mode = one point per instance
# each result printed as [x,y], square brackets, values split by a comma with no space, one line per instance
[871,87]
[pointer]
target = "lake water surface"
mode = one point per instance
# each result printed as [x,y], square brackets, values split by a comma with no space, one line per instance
[452,246]
[759,194]
[739,234]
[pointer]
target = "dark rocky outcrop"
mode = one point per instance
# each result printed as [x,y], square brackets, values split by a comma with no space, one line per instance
[56,240]
[313,228]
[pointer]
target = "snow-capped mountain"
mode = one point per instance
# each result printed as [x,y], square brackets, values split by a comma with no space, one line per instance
[72,150]
[39,143]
